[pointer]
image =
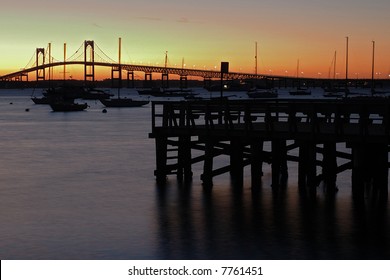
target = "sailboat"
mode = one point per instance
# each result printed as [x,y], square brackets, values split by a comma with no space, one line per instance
[122,102]
[300,90]
[332,90]
[258,91]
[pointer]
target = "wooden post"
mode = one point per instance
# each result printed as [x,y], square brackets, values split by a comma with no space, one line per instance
[279,162]
[329,166]
[358,170]
[237,161]
[307,168]
[380,170]
[256,162]
[276,162]
[312,167]
[283,160]
[184,158]
[302,163]
[161,159]
[207,176]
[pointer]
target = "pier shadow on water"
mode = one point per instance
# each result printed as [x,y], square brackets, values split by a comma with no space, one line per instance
[230,222]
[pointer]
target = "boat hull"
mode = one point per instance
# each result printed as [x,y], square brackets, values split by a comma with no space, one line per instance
[68,107]
[40,100]
[123,102]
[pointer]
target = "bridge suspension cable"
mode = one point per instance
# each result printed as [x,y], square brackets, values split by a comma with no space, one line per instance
[31,62]
[107,58]
[76,56]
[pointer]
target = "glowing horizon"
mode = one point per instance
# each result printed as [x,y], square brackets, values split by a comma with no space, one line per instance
[204,34]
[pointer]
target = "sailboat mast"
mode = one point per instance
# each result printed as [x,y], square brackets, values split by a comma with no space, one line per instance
[119,66]
[334,65]
[298,68]
[50,68]
[373,67]
[120,51]
[166,59]
[64,60]
[256,58]
[346,66]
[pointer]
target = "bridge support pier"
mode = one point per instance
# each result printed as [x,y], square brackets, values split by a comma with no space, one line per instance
[130,73]
[148,80]
[183,81]
[118,78]
[165,80]
[207,83]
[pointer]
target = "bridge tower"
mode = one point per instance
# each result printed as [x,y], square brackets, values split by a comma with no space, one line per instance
[40,57]
[89,61]
[130,73]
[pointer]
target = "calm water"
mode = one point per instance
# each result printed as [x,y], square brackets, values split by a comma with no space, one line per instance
[80,185]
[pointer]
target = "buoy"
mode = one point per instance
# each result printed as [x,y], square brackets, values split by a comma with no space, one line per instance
[104,111]
[27,110]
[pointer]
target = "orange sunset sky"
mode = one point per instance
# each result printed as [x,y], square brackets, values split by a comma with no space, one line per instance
[204,33]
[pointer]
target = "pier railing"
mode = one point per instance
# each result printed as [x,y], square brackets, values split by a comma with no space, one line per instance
[356,120]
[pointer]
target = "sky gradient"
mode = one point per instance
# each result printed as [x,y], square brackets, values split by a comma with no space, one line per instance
[205,32]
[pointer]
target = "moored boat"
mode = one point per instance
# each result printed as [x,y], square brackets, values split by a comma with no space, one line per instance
[164,92]
[123,102]
[40,100]
[300,91]
[262,93]
[96,94]
[67,106]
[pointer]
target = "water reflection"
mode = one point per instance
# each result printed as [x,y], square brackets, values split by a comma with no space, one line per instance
[227,222]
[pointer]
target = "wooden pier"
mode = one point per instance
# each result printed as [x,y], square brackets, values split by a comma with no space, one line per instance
[240,129]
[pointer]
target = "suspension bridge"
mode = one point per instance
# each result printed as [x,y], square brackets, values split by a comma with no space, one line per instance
[90,55]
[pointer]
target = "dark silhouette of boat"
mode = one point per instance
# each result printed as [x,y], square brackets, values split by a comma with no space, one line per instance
[67,106]
[40,100]
[96,94]
[64,92]
[262,93]
[123,102]
[61,99]
[300,91]
[334,92]
[165,92]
